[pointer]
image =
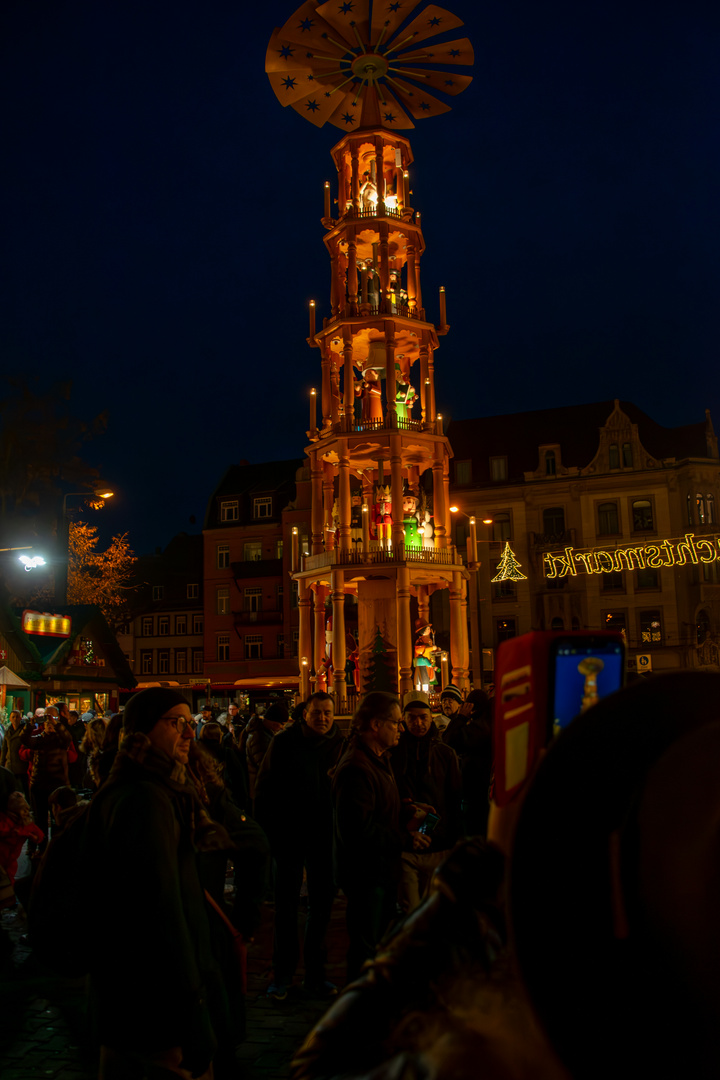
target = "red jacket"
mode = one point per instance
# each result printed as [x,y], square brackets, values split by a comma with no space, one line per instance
[12,837]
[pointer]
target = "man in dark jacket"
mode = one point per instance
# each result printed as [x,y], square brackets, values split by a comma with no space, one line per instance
[470,735]
[47,754]
[427,772]
[12,744]
[144,827]
[369,826]
[293,803]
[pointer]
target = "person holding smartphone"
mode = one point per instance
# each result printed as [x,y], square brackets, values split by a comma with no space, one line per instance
[427,773]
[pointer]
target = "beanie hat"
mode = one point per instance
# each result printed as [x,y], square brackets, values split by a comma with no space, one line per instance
[145,708]
[415,697]
[453,692]
[276,714]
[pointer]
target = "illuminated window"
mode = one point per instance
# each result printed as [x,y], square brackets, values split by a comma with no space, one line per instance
[193,592]
[642,515]
[262,508]
[550,463]
[253,647]
[229,510]
[650,628]
[146,662]
[223,601]
[700,504]
[614,456]
[158,591]
[223,647]
[197,658]
[505,629]
[554,521]
[710,505]
[278,549]
[608,519]
[501,527]
[498,468]
[164,625]
[463,472]
[627,456]
[197,624]
[252,551]
[164,662]
[147,626]
[614,620]
[180,661]
[614,582]
[252,600]
[181,624]
[223,556]
[648,579]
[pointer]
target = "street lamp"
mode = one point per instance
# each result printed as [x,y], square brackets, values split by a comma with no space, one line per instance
[61,574]
[473,566]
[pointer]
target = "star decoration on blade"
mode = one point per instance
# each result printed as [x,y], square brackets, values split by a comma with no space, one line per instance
[369,62]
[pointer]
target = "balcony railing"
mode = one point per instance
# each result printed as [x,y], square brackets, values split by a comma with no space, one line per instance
[379,556]
[403,424]
[373,211]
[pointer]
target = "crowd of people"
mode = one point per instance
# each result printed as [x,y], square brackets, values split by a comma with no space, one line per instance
[154,809]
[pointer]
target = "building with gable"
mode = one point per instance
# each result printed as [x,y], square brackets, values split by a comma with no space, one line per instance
[68,654]
[613,519]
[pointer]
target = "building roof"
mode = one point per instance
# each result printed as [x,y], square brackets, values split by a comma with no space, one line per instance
[39,651]
[246,481]
[575,428]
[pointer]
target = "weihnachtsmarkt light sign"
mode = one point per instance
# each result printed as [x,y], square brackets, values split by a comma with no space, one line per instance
[662,553]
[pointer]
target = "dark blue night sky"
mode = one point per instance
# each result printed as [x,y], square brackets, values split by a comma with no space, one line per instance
[162,232]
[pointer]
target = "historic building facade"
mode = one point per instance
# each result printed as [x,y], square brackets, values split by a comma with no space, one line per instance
[250,609]
[613,519]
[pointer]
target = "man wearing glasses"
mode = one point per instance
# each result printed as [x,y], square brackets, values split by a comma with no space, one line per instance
[372,826]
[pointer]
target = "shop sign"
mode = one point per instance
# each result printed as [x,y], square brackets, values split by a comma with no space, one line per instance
[42,622]
[678,552]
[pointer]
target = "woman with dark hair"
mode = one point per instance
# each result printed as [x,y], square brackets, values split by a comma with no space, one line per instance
[145,827]
[109,747]
[370,831]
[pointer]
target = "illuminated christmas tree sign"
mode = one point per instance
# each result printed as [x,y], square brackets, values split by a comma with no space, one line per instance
[508,568]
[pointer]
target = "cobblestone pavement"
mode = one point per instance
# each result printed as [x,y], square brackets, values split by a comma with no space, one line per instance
[43,1019]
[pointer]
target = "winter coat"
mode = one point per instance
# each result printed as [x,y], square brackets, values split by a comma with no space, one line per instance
[293,792]
[13,834]
[258,740]
[153,974]
[10,752]
[48,754]
[369,838]
[427,771]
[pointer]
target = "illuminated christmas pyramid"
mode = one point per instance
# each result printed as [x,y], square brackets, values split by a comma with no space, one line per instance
[380,531]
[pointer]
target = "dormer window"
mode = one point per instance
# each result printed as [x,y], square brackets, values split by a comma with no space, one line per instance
[550,465]
[614,456]
[627,455]
[262,508]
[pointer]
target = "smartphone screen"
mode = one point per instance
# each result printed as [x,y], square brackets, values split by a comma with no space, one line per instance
[429,823]
[582,671]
